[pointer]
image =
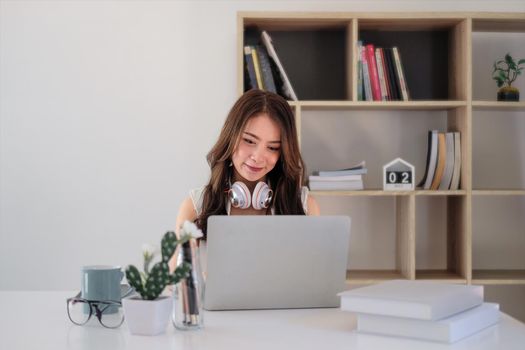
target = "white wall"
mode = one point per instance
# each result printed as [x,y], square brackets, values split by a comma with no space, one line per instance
[107,109]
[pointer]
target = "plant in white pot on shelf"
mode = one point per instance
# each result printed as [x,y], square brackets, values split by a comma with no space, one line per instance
[149,313]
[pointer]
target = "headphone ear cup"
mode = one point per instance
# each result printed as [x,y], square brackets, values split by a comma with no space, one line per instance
[262,196]
[239,195]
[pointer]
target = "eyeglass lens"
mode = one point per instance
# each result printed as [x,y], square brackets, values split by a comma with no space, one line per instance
[109,315]
[79,311]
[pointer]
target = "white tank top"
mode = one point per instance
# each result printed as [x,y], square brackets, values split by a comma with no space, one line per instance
[196,198]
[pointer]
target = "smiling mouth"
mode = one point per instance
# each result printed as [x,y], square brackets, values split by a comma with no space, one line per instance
[254,169]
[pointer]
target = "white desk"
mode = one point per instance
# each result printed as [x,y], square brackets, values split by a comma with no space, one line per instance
[38,320]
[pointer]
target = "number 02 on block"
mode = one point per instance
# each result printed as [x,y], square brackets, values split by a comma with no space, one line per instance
[398,175]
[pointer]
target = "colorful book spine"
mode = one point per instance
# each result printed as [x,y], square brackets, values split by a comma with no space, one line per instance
[441,161]
[372,71]
[257,66]
[381,75]
[366,77]
[252,79]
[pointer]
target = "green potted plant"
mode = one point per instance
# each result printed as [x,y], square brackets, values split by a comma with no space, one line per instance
[505,72]
[149,312]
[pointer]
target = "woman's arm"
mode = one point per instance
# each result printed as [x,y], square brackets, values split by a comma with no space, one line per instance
[313,207]
[186,212]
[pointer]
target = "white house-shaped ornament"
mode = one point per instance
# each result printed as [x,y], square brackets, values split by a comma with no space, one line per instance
[398,175]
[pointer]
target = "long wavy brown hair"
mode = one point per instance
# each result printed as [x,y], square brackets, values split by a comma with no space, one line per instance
[285,179]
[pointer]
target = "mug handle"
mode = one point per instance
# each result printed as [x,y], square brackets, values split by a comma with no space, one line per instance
[125,290]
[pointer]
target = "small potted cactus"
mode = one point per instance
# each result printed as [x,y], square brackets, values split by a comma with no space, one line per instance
[505,72]
[149,313]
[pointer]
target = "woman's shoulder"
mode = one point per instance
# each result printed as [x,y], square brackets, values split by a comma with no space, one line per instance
[196,196]
[304,198]
[310,205]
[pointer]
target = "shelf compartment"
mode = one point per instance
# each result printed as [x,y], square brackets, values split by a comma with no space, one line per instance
[497,150]
[305,48]
[433,53]
[498,239]
[377,245]
[330,138]
[487,48]
[498,277]
[442,238]
[356,277]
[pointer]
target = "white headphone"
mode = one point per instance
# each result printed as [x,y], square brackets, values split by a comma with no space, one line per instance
[240,197]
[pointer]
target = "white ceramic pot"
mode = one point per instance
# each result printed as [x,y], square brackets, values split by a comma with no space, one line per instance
[147,317]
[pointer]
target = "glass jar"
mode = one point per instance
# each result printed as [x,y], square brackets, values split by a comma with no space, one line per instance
[188,294]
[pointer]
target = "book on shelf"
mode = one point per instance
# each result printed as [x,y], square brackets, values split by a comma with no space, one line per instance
[400,74]
[366,76]
[395,75]
[336,185]
[372,71]
[454,183]
[449,329]
[444,184]
[441,161]
[385,73]
[358,169]
[360,86]
[258,73]
[432,150]
[424,300]
[391,78]
[443,166]
[381,74]
[266,69]
[250,68]
[286,89]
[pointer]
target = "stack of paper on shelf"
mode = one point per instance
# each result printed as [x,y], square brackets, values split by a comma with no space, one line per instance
[339,180]
[420,309]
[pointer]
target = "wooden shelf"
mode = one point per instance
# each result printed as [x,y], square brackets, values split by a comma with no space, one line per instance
[499,192]
[440,275]
[497,105]
[371,276]
[498,277]
[378,105]
[378,192]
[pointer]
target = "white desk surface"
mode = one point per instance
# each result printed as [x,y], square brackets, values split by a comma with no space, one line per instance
[38,320]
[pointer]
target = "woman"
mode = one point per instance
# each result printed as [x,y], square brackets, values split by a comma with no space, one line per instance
[257,151]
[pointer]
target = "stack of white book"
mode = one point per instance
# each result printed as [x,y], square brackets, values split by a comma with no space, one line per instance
[338,180]
[420,309]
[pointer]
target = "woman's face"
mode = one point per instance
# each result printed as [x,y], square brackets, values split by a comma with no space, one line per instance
[258,149]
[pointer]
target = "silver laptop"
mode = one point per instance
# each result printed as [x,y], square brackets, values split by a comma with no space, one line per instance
[273,262]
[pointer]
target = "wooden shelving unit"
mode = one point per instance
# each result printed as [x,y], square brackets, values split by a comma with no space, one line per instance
[451,92]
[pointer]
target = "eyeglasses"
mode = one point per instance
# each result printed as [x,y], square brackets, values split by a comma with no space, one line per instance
[108,312]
